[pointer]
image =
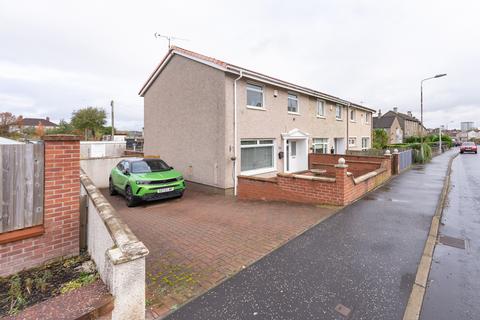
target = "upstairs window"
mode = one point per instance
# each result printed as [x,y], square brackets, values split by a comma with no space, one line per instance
[292,103]
[320,108]
[367,117]
[254,96]
[338,112]
[352,115]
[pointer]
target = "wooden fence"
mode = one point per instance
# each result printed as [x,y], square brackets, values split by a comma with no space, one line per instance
[22,185]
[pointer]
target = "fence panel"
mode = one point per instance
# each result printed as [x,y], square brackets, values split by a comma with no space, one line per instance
[21,181]
[405,159]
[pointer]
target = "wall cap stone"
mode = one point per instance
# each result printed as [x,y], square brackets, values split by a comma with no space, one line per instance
[61,137]
[127,246]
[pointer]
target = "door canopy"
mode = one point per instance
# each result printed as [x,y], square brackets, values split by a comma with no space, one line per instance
[295,134]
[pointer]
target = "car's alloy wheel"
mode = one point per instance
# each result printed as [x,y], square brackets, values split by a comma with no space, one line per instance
[131,202]
[111,188]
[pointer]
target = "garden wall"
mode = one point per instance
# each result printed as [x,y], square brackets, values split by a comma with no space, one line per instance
[338,186]
[58,235]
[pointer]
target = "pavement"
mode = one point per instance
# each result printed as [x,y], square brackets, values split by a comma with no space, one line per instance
[358,264]
[203,238]
[453,290]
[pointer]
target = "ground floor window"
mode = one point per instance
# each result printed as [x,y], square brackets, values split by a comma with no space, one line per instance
[365,142]
[352,141]
[320,145]
[257,154]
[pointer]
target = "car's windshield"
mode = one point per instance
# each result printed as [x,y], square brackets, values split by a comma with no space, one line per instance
[468,144]
[149,165]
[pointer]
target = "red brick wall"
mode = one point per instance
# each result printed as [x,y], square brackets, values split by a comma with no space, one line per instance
[341,192]
[61,210]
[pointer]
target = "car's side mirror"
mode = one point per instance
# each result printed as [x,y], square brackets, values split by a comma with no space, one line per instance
[171,168]
[126,172]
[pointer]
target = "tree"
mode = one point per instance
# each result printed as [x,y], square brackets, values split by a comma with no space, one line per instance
[380,139]
[89,119]
[6,121]
[40,130]
[63,128]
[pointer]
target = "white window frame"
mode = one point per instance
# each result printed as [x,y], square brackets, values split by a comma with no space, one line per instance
[338,107]
[354,113]
[314,145]
[321,115]
[368,143]
[354,144]
[263,95]
[262,170]
[296,99]
[367,117]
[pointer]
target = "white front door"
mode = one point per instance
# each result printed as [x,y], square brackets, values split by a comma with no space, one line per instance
[296,155]
[339,145]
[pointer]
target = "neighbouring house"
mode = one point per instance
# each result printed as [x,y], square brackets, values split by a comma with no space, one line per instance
[410,125]
[392,126]
[27,123]
[214,121]
[470,135]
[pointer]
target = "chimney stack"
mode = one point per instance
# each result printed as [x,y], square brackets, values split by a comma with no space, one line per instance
[48,118]
[395,109]
[379,113]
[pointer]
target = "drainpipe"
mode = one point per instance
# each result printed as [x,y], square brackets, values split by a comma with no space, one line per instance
[235,133]
[348,122]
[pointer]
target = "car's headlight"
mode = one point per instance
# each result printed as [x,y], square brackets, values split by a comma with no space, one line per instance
[143,182]
[180,178]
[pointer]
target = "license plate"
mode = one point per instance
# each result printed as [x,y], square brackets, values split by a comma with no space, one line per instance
[165,190]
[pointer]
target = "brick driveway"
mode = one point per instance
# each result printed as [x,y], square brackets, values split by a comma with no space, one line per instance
[199,240]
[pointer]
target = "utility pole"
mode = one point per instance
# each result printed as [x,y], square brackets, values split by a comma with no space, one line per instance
[113,120]
[440,138]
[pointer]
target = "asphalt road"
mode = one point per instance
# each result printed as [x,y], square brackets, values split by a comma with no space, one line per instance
[365,258]
[453,291]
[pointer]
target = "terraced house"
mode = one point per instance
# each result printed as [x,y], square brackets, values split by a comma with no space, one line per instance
[213,120]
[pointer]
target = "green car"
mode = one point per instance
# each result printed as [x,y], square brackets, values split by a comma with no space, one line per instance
[145,179]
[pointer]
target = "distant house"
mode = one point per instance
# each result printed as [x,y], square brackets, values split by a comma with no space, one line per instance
[409,125]
[392,126]
[27,123]
[9,141]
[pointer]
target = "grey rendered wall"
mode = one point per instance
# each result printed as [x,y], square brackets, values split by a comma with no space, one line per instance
[185,120]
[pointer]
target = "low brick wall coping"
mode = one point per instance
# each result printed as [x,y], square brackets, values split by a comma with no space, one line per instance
[313,178]
[368,175]
[273,180]
[61,137]
[128,247]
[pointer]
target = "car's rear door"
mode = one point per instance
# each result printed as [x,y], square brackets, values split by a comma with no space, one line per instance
[122,178]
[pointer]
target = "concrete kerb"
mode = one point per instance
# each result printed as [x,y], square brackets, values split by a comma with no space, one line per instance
[415,301]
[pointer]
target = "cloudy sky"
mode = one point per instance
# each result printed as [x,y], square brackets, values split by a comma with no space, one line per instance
[58,56]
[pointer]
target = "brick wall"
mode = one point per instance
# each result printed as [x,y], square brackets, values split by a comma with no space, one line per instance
[340,191]
[61,210]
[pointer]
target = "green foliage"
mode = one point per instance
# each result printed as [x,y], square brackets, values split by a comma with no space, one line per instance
[63,128]
[380,139]
[89,119]
[82,280]
[420,157]
[15,295]
[447,140]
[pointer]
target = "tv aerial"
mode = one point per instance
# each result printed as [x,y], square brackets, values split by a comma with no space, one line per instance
[169,38]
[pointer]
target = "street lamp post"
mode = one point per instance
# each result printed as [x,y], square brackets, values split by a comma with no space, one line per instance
[421,108]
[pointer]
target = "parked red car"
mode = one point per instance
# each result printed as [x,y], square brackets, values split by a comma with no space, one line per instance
[468,147]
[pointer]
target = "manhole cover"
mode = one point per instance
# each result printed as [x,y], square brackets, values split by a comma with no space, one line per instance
[344,311]
[452,242]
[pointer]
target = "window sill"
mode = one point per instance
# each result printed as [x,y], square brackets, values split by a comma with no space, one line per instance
[321,117]
[21,234]
[256,108]
[353,121]
[258,171]
[294,113]
[339,119]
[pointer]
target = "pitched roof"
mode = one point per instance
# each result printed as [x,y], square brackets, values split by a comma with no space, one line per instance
[35,121]
[383,122]
[233,69]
